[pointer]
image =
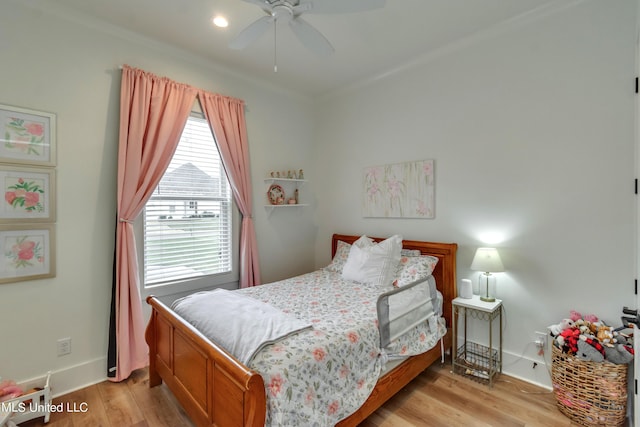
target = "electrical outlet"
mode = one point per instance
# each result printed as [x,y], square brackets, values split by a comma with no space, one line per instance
[64,346]
[541,339]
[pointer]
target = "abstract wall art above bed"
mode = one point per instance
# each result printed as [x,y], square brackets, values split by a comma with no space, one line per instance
[400,190]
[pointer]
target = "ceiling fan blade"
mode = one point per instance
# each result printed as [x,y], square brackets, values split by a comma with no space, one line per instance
[337,6]
[262,4]
[251,33]
[310,37]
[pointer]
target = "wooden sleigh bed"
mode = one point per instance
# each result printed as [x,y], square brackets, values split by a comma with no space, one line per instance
[217,390]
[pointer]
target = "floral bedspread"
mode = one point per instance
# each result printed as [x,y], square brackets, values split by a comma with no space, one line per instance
[318,377]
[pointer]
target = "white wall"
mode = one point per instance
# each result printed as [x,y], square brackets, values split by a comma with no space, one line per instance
[55,64]
[532,130]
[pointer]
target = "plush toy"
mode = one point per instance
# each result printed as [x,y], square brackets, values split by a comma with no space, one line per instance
[563,325]
[624,339]
[574,315]
[590,350]
[591,318]
[9,390]
[568,340]
[618,354]
[584,326]
[604,333]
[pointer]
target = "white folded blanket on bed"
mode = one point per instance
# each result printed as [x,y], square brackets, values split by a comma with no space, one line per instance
[241,324]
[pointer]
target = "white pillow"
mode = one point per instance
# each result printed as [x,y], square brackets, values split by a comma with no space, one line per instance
[374,263]
[342,253]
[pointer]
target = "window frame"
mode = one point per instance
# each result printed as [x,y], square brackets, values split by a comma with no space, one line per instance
[229,280]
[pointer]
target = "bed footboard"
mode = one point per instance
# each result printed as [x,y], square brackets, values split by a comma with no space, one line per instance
[214,388]
[392,382]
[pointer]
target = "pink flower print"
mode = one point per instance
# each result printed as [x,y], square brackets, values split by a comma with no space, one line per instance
[31,199]
[373,190]
[421,209]
[344,371]
[319,354]
[423,337]
[275,385]
[309,396]
[403,350]
[333,407]
[353,337]
[35,129]
[375,173]
[10,196]
[394,188]
[24,250]
[20,192]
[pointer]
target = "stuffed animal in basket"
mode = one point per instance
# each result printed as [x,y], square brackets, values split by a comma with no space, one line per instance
[590,350]
[563,325]
[568,339]
[619,354]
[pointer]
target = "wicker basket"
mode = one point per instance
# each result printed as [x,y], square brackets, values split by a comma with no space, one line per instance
[590,393]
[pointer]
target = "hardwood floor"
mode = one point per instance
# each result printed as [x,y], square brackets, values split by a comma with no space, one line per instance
[435,398]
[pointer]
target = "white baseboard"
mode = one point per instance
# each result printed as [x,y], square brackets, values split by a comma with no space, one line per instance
[91,372]
[73,378]
[522,367]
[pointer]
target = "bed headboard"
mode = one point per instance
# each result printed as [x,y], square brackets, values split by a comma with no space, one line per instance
[444,273]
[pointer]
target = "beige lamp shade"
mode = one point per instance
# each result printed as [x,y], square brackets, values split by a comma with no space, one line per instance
[487,260]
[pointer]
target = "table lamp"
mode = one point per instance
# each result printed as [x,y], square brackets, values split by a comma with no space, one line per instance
[488,261]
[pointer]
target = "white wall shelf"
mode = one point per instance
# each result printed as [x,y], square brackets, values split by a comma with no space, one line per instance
[290,187]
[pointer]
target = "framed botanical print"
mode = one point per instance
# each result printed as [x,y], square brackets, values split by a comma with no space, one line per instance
[27,252]
[400,190]
[27,136]
[28,194]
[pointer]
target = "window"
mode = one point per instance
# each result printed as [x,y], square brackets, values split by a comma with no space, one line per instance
[188,230]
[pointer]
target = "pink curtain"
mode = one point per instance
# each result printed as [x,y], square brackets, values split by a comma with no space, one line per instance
[226,118]
[153,112]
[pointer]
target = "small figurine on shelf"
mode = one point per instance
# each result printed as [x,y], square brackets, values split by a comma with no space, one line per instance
[273,174]
[301,174]
[295,196]
[289,175]
[277,174]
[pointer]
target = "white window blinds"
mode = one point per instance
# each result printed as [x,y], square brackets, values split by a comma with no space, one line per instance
[187,221]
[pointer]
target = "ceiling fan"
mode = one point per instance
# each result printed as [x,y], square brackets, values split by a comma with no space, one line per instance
[290,11]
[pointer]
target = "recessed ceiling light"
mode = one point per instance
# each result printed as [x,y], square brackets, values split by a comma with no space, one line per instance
[220,21]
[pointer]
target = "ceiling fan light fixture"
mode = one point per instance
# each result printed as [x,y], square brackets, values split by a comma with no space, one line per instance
[220,21]
[290,11]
